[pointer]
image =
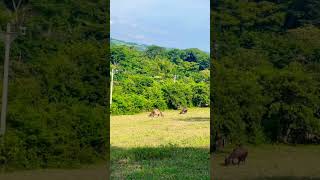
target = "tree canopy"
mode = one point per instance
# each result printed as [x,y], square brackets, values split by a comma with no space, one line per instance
[266,74]
[57,84]
[158,78]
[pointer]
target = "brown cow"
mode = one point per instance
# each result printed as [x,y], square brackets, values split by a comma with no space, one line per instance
[155,112]
[184,110]
[238,153]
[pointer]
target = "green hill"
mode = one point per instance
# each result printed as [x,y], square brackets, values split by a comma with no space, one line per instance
[120,42]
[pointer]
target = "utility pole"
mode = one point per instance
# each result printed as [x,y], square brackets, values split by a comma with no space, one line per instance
[111,85]
[8,37]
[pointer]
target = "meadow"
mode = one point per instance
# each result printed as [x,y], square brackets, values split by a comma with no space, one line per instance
[90,172]
[171,147]
[266,162]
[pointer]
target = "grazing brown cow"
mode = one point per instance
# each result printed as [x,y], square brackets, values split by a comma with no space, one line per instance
[155,112]
[184,110]
[238,153]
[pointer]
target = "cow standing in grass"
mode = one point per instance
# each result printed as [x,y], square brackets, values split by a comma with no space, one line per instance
[184,110]
[155,112]
[238,153]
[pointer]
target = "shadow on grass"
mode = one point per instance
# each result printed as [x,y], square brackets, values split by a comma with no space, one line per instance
[285,178]
[168,162]
[194,119]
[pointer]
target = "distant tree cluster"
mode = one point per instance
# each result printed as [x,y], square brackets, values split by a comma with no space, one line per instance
[158,78]
[266,82]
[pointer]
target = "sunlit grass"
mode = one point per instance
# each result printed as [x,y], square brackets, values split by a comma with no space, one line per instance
[171,147]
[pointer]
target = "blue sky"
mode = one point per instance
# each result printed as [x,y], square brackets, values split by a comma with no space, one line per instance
[169,23]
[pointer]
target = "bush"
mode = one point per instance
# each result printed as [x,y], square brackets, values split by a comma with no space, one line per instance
[144,79]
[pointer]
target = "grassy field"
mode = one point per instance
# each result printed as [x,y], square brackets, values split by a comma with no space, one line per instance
[95,172]
[279,162]
[171,147]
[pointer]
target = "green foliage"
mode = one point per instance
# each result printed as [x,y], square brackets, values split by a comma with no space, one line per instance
[177,94]
[145,79]
[57,87]
[200,94]
[266,80]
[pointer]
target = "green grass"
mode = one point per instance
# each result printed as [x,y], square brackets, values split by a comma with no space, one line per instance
[279,162]
[90,172]
[171,147]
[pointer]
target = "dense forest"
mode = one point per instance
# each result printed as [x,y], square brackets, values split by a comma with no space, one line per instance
[57,83]
[266,70]
[157,77]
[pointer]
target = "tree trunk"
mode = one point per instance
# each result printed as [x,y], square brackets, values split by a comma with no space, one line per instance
[286,136]
[111,86]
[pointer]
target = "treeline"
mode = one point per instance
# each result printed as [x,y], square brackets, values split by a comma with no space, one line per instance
[266,82]
[158,78]
[57,84]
